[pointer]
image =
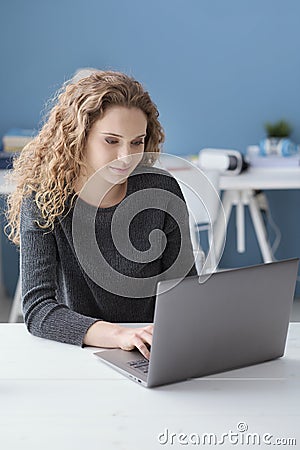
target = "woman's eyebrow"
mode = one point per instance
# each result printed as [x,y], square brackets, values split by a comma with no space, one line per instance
[119,135]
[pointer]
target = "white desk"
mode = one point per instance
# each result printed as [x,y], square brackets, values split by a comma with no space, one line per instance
[58,396]
[5,187]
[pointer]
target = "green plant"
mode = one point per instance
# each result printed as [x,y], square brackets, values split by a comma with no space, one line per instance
[278,129]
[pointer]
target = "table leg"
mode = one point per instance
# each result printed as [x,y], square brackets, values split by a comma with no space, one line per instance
[260,230]
[240,199]
[219,230]
[240,222]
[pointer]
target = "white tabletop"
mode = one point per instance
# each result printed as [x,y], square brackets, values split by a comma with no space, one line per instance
[55,395]
[263,178]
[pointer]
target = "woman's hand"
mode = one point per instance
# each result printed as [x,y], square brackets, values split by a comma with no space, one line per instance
[141,338]
[110,335]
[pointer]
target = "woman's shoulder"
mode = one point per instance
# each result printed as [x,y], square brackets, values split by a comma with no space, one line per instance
[29,213]
[29,206]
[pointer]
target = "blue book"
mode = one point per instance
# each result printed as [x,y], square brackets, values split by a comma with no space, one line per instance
[16,138]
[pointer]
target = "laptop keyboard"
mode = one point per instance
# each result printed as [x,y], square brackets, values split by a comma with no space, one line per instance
[141,364]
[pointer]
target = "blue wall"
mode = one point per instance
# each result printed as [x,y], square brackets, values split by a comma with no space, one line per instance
[217,70]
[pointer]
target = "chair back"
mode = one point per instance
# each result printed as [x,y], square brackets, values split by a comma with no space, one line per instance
[200,189]
[201,192]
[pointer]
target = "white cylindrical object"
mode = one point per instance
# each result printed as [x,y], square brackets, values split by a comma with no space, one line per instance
[212,160]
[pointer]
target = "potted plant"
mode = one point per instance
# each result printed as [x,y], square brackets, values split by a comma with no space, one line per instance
[278,130]
[277,141]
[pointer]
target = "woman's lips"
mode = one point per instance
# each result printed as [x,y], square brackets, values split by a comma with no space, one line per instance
[118,170]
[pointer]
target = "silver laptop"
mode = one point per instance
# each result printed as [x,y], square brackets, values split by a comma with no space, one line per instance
[237,318]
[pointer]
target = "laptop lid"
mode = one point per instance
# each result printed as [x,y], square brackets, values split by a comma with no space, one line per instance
[238,317]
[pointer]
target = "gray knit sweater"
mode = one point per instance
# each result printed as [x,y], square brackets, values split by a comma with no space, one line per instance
[103,263]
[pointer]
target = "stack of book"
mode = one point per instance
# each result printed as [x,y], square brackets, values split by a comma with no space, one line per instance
[16,138]
[275,161]
[255,159]
[12,143]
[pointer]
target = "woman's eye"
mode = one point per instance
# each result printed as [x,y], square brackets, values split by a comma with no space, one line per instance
[111,141]
[138,143]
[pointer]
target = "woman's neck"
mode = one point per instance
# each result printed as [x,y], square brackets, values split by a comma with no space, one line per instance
[100,193]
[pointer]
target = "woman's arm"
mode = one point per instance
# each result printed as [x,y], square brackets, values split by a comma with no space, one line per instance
[44,316]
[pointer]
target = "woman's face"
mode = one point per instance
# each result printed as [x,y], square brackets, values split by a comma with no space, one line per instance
[115,143]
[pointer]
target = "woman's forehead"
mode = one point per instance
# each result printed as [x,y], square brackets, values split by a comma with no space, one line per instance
[120,120]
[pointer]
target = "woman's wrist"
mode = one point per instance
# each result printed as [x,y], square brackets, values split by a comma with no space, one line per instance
[103,334]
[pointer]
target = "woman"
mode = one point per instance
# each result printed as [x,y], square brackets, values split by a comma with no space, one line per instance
[97,224]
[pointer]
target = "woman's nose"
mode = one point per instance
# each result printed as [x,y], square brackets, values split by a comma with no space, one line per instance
[124,154]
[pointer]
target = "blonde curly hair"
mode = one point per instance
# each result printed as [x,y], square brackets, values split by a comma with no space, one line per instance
[52,162]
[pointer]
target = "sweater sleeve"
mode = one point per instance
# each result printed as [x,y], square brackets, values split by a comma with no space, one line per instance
[44,315]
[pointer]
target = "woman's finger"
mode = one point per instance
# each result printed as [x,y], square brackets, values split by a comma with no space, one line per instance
[149,329]
[147,337]
[140,338]
[142,347]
